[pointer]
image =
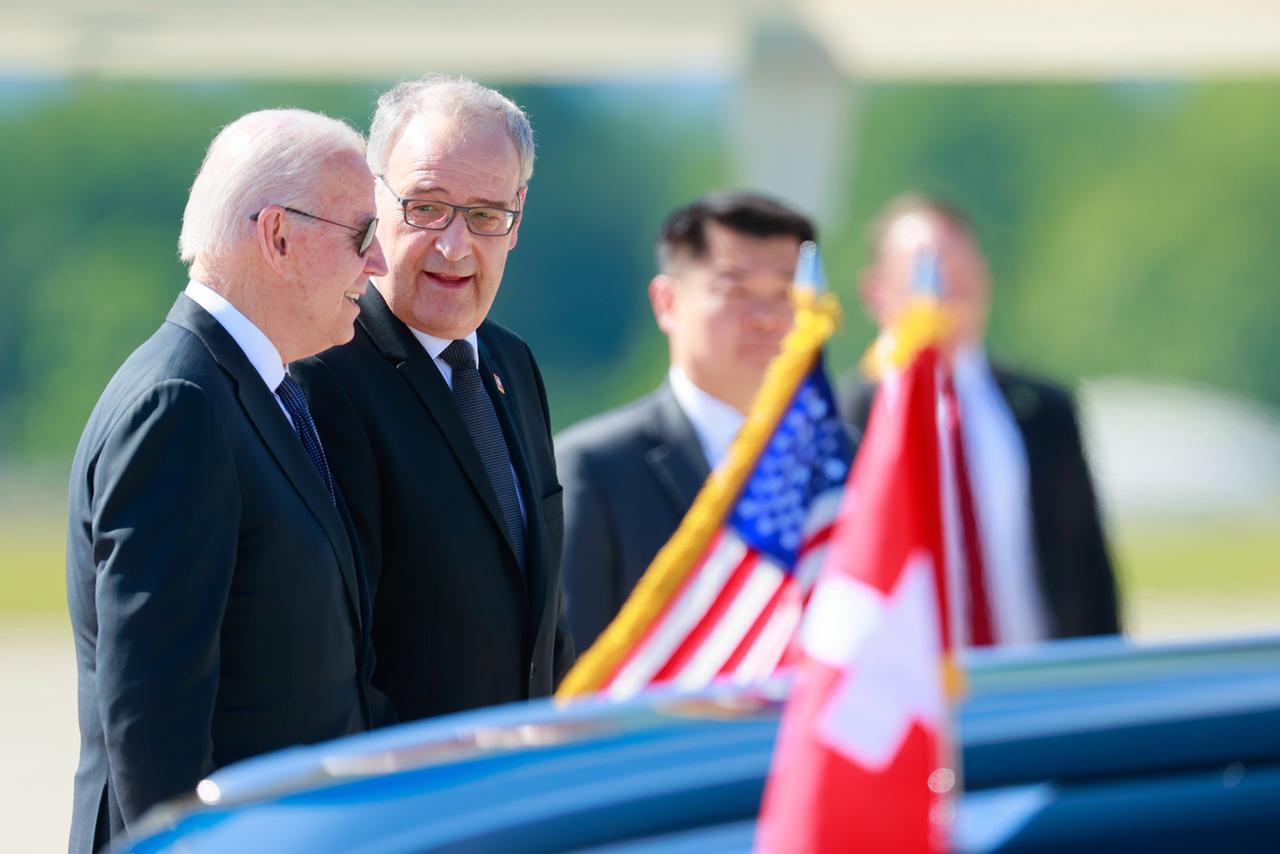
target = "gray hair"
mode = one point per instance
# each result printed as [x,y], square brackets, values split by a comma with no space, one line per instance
[450,96]
[269,157]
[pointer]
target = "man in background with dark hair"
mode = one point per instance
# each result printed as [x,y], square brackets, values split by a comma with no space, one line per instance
[1036,564]
[723,298]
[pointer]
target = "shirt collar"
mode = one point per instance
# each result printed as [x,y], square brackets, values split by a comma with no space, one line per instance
[262,354]
[435,346]
[969,366]
[715,422]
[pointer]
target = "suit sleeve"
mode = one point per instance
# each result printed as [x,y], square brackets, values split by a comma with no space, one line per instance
[564,654]
[565,650]
[853,400]
[1094,609]
[350,457]
[590,570]
[165,530]
[355,473]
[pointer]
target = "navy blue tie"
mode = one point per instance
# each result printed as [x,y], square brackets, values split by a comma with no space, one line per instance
[295,403]
[477,411]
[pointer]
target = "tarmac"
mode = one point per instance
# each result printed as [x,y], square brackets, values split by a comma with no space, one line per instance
[39,737]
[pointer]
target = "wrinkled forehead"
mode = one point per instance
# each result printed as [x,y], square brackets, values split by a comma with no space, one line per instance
[464,146]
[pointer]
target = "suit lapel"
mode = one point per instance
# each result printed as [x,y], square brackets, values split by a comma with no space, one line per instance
[394,340]
[269,420]
[1023,399]
[676,459]
[1024,404]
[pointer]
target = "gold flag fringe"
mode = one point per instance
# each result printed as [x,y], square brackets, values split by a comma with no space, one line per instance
[816,319]
[923,323]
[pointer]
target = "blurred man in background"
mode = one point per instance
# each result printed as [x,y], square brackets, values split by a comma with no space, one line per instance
[1036,563]
[438,416]
[723,299]
[218,604]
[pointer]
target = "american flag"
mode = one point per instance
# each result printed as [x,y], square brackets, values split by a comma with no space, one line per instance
[724,598]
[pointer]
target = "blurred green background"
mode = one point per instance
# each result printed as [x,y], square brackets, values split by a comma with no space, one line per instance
[1131,230]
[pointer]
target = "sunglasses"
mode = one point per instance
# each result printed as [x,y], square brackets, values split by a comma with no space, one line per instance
[364,233]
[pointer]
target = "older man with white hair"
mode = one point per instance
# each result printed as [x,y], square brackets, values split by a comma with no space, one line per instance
[217,598]
[438,416]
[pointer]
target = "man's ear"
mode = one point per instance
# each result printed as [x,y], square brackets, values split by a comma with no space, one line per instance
[662,297]
[521,200]
[273,239]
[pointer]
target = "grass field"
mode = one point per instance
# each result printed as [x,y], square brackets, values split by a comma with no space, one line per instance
[32,565]
[1200,577]
[1190,578]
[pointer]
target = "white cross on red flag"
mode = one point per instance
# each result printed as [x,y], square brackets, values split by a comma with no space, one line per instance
[860,759]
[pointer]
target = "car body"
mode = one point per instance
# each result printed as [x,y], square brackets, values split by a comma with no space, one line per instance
[1086,745]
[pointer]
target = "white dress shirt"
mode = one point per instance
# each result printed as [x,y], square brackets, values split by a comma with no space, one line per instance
[435,347]
[257,347]
[1000,483]
[715,422]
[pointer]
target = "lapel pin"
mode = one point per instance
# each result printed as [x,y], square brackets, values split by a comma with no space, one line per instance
[497,380]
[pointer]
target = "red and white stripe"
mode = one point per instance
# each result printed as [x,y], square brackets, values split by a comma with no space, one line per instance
[735,615]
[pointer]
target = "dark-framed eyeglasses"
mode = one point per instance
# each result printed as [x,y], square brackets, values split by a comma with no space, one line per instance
[433,215]
[364,233]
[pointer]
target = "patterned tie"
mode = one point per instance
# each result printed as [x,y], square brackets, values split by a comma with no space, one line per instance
[980,627]
[482,423]
[295,403]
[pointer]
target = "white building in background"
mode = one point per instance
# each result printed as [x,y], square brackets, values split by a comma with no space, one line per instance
[1169,451]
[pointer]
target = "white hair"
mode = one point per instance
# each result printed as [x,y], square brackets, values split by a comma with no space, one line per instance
[269,157]
[456,97]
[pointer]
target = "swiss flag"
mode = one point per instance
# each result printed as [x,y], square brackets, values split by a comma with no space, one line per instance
[859,763]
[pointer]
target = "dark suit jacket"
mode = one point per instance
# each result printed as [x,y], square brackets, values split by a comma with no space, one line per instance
[215,599]
[1075,574]
[629,477]
[456,624]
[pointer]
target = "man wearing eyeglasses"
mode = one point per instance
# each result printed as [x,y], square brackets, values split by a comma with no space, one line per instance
[437,418]
[217,599]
